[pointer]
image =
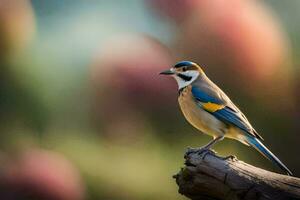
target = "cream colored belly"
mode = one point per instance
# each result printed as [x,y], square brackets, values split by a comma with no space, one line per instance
[200,119]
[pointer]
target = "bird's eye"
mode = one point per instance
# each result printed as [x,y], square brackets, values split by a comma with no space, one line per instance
[184,69]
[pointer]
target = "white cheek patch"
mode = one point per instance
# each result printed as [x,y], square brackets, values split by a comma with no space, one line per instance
[183,83]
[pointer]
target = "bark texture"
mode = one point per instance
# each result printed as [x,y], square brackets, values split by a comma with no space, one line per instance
[207,176]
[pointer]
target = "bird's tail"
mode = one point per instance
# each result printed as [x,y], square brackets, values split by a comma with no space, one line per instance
[259,146]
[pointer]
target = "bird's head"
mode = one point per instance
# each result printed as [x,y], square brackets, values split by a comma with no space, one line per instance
[184,72]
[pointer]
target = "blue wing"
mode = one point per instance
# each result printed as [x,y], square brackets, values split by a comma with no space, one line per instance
[227,114]
[230,116]
[204,97]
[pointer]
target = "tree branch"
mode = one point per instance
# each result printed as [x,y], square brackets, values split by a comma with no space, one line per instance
[207,176]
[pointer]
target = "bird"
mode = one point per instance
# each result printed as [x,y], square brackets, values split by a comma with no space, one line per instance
[206,107]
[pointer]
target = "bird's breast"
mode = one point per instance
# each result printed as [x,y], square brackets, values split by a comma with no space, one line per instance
[199,118]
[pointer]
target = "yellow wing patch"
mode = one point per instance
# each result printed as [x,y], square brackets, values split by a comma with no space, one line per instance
[212,107]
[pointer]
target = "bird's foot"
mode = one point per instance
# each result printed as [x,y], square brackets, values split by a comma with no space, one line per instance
[230,157]
[198,151]
[191,150]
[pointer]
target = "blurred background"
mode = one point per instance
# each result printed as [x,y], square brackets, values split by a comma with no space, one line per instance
[84,114]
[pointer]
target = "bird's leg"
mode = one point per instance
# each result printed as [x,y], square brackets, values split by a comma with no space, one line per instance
[214,141]
[204,148]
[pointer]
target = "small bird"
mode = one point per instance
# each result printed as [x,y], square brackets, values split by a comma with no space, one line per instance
[209,109]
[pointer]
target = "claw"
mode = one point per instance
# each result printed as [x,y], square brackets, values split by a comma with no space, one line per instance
[195,150]
[188,152]
[230,157]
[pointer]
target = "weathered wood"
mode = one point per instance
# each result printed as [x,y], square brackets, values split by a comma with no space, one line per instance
[207,176]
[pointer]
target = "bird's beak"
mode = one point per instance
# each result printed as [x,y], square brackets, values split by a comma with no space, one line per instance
[168,72]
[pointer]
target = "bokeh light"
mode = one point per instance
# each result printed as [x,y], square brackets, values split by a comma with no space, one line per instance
[85,115]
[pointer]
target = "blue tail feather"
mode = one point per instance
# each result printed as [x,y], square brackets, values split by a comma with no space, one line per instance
[259,146]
